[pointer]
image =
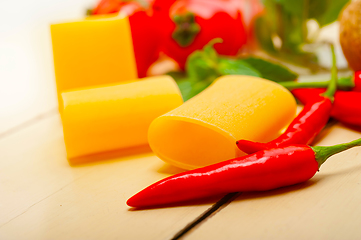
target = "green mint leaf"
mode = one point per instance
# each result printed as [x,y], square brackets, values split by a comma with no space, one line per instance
[271,71]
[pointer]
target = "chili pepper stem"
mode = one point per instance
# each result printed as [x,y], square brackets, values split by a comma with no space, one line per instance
[332,87]
[323,153]
[344,83]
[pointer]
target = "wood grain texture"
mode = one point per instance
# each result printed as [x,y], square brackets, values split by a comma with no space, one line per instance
[326,207]
[43,197]
[27,83]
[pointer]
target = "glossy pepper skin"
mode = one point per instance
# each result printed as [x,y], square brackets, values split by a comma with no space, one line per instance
[305,127]
[143,25]
[195,22]
[264,170]
[346,107]
[357,81]
[302,130]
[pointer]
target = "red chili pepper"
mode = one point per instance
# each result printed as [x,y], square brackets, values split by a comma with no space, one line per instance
[196,22]
[305,127]
[261,171]
[302,130]
[143,25]
[306,95]
[346,107]
[357,81]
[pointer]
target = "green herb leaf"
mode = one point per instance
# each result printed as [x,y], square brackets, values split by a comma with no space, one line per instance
[294,7]
[185,87]
[204,66]
[330,12]
[287,20]
[263,30]
[201,65]
[272,71]
[228,66]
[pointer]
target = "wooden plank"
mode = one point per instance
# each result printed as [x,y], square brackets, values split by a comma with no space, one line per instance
[218,206]
[26,64]
[326,207]
[43,197]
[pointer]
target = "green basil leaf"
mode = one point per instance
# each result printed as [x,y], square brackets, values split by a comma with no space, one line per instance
[227,66]
[178,76]
[272,71]
[200,67]
[185,87]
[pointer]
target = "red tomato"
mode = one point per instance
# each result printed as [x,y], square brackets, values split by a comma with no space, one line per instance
[107,6]
[212,19]
[161,6]
[251,10]
[146,39]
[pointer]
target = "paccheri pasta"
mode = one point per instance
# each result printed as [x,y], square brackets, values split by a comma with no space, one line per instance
[115,117]
[204,130]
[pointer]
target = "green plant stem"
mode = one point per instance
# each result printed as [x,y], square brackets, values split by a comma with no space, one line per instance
[344,83]
[323,153]
[332,87]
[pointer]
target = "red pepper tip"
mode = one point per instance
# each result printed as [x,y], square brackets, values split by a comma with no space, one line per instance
[131,202]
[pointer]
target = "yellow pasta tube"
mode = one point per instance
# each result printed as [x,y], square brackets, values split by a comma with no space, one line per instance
[115,117]
[204,130]
[91,52]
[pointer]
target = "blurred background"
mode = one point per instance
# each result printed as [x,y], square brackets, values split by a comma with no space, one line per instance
[27,82]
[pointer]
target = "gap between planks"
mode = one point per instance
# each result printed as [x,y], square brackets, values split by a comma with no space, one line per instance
[227,199]
[218,206]
[29,122]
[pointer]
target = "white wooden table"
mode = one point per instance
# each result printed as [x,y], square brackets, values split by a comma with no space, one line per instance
[43,197]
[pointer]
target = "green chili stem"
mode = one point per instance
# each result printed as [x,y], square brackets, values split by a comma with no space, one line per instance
[344,83]
[332,87]
[323,153]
